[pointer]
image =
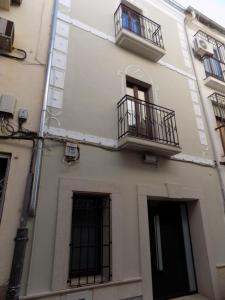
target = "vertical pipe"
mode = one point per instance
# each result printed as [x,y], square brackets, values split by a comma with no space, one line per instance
[17,264]
[37,170]
[31,191]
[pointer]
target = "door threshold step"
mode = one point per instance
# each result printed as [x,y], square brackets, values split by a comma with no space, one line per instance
[191,297]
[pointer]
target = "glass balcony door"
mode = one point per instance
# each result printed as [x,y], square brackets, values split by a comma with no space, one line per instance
[131,20]
[138,111]
[213,66]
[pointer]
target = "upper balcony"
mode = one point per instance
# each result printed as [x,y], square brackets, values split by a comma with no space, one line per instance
[144,126]
[138,34]
[215,73]
[212,52]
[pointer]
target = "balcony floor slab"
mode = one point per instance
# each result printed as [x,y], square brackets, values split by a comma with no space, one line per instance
[139,45]
[144,145]
[215,84]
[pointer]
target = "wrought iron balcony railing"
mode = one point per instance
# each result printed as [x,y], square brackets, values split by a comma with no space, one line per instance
[142,119]
[129,19]
[218,101]
[214,67]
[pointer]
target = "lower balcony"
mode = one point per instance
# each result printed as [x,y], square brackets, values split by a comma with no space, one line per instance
[146,127]
[215,74]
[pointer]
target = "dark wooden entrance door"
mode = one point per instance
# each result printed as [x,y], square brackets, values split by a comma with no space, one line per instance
[172,262]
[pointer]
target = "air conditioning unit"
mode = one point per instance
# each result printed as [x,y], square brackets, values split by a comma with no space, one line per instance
[6,35]
[202,47]
[5,4]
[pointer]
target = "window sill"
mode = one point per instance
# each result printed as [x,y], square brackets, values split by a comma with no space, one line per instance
[72,290]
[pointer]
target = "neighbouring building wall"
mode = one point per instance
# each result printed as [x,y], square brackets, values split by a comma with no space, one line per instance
[193,26]
[88,79]
[24,80]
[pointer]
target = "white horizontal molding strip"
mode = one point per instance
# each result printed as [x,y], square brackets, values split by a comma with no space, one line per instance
[113,144]
[82,137]
[85,27]
[167,9]
[173,68]
[111,39]
[73,291]
[194,159]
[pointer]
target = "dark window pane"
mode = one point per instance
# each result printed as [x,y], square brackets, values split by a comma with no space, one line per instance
[3,170]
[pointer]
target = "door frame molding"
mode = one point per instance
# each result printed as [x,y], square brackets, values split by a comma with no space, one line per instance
[198,227]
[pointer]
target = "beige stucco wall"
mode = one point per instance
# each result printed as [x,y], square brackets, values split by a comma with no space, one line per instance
[193,27]
[25,81]
[127,170]
[94,83]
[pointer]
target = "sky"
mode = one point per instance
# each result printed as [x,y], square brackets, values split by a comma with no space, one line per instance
[214,9]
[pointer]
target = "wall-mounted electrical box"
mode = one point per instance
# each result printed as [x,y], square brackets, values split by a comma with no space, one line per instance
[6,35]
[7,106]
[71,151]
[23,114]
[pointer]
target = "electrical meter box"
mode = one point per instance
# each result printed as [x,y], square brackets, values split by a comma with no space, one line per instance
[71,150]
[7,106]
[6,35]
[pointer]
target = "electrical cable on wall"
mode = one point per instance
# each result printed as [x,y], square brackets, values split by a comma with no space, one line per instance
[21,58]
[7,33]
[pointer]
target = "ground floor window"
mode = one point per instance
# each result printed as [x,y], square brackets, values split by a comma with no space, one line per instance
[90,248]
[4,162]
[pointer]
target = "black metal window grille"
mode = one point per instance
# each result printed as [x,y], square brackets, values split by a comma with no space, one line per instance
[3,175]
[90,248]
[146,120]
[129,19]
[218,102]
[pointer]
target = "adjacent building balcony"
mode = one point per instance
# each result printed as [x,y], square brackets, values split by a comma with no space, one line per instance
[215,74]
[146,127]
[138,33]
[218,102]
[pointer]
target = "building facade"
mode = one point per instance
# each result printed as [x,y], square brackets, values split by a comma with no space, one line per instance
[130,203]
[209,69]
[24,40]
